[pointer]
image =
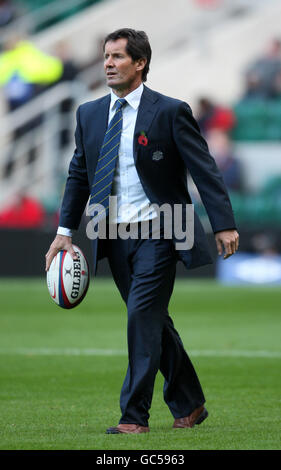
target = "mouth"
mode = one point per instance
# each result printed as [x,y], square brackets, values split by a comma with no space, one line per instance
[111,74]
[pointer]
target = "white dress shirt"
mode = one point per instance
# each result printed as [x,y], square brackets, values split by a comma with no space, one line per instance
[132,202]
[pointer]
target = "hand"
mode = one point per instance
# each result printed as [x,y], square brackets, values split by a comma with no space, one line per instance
[61,242]
[227,241]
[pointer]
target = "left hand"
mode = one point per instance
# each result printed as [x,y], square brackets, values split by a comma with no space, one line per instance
[227,241]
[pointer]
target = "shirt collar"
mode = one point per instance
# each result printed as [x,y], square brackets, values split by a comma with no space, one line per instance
[132,98]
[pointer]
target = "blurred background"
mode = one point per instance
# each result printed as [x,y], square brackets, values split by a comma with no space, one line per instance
[221,56]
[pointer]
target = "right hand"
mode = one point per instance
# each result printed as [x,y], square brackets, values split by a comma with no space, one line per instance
[61,242]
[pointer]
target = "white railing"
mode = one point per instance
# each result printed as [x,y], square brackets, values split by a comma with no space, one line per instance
[39,161]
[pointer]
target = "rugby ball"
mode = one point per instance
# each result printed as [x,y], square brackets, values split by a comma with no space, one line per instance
[68,279]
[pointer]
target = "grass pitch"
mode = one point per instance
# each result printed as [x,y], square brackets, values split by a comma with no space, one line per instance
[61,371]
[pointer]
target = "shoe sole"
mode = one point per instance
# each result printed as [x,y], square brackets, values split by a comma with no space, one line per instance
[114,430]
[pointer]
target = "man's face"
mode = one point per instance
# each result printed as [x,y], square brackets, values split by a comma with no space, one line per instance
[122,73]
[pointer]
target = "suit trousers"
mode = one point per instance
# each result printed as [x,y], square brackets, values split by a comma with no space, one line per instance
[144,272]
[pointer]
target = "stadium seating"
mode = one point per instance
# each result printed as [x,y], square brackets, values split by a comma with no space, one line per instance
[258,120]
[59,11]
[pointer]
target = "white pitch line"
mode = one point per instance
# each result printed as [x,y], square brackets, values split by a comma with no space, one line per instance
[118,352]
[235,353]
[63,352]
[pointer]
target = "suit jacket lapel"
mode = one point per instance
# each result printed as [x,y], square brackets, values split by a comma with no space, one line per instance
[147,110]
[101,122]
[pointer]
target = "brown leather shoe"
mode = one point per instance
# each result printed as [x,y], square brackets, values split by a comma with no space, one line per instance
[127,429]
[196,417]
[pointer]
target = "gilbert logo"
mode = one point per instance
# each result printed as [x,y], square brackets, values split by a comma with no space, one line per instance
[76,276]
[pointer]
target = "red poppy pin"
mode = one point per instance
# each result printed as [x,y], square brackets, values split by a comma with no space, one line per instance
[142,140]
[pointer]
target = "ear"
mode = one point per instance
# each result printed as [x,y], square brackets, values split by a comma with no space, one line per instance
[140,64]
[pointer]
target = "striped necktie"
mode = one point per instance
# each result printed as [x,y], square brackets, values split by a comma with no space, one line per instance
[102,183]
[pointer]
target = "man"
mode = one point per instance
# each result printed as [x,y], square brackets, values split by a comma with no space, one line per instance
[145,161]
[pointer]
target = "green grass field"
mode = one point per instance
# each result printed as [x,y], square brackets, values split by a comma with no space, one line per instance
[61,371]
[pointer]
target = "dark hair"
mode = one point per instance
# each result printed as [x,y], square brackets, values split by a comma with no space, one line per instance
[138,46]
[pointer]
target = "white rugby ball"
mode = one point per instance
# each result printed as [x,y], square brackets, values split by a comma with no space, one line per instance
[68,279]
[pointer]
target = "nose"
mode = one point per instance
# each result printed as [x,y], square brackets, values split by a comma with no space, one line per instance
[108,62]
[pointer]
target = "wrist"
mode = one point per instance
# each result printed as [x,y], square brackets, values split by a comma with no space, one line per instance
[67,232]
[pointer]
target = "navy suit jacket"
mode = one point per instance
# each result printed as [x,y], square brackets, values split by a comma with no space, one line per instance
[170,128]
